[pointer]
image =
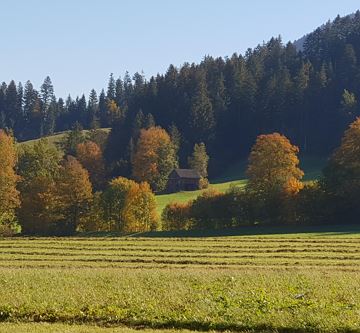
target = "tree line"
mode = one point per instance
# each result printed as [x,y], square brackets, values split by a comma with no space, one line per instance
[59,190]
[46,191]
[275,194]
[310,96]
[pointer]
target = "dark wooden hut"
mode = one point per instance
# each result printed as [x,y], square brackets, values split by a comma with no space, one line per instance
[183,180]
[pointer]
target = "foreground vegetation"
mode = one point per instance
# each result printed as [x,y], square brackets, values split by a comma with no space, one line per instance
[292,283]
[63,328]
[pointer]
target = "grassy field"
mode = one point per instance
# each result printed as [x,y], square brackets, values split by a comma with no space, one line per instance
[296,282]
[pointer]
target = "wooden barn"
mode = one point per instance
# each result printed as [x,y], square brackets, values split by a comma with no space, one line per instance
[183,180]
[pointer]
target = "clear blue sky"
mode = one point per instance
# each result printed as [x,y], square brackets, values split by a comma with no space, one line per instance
[78,43]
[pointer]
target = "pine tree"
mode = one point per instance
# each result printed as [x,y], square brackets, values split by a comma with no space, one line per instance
[92,120]
[72,139]
[103,110]
[47,99]
[149,121]
[111,90]
[199,159]
[11,110]
[202,119]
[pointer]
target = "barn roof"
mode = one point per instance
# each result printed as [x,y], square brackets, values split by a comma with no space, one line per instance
[186,173]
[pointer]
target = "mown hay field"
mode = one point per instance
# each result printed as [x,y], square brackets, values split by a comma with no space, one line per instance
[284,283]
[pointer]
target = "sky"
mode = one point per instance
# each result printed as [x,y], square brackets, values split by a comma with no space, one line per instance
[78,43]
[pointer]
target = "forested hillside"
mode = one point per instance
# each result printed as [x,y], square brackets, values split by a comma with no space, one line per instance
[309,96]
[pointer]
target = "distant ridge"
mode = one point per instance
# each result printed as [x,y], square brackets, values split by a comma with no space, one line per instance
[299,43]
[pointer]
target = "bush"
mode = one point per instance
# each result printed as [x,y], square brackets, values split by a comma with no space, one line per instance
[9,225]
[176,216]
[209,210]
[203,183]
[313,205]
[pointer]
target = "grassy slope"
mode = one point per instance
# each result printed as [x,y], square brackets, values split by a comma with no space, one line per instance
[235,175]
[56,138]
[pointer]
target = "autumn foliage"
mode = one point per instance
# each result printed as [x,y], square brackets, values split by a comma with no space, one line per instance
[9,195]
[176,216]
[154,157]
[39,168]
[129,206]
[341,179]
[90,156]
[75,193]
[274,166]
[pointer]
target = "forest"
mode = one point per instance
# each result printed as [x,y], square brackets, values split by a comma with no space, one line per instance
[274,99]
[310,96]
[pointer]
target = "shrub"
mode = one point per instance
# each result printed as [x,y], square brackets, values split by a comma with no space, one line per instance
[176,216]
[203,183]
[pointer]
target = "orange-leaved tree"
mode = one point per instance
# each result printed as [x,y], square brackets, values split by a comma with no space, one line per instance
[9,195]
[274,178]
[274,166]
[75,194]
[341,179]
[154,157]
[90,156]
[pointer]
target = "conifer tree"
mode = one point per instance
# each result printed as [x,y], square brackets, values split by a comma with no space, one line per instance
[199,159]
[111,90]
[92,120]
[202,118]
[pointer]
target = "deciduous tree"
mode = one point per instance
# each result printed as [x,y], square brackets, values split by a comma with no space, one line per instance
[90,156]
[129,206]
[39,168]
[74,192]
[274,166]
[154,158]
[9,195]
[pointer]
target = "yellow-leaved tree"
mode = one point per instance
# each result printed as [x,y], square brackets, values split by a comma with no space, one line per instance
[274,165]
[154,157]
[140,209]
[274,177]
[9,195]
[129,206]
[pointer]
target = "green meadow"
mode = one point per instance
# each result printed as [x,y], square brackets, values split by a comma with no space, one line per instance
[306,281]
